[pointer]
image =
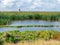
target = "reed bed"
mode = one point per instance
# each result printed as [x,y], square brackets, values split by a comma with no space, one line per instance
[7,17]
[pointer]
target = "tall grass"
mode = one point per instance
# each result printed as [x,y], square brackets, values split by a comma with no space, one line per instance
[30,15]
[4,21]
[49,16]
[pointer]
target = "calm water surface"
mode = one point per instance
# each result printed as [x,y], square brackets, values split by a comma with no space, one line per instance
[29,28]
[31,22]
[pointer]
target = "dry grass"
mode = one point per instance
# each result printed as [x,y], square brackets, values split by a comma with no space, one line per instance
[37,42]
[22,13]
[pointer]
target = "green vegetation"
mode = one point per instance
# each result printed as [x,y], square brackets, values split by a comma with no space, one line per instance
[4,22]
[7,17]
[16,36]
[30,15]
[29,26]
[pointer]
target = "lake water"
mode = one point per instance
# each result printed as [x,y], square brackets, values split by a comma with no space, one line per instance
[29,28]
[31,22]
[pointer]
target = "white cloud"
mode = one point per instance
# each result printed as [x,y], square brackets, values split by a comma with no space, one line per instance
[42,4]
[49,5]
[36,3]
[58,1]
[7,3]
[18,4]
[28,1]
[30,4]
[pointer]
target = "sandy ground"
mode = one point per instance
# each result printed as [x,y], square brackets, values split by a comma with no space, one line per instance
[37,42]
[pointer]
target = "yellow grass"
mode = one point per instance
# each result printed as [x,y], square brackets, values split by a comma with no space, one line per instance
[37,42]
[23,13]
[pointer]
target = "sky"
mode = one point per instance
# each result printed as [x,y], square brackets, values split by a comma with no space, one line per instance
[30,5]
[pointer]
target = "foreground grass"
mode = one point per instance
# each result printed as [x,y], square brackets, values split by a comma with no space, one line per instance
[29,37]
[36,42]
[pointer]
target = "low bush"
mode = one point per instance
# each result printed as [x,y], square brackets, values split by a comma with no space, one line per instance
[16,36]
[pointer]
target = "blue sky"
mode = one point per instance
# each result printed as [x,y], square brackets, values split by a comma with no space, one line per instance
[30,5]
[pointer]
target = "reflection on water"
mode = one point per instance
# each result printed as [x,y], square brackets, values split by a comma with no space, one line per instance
[29,28]
[34,22]
[31,22]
